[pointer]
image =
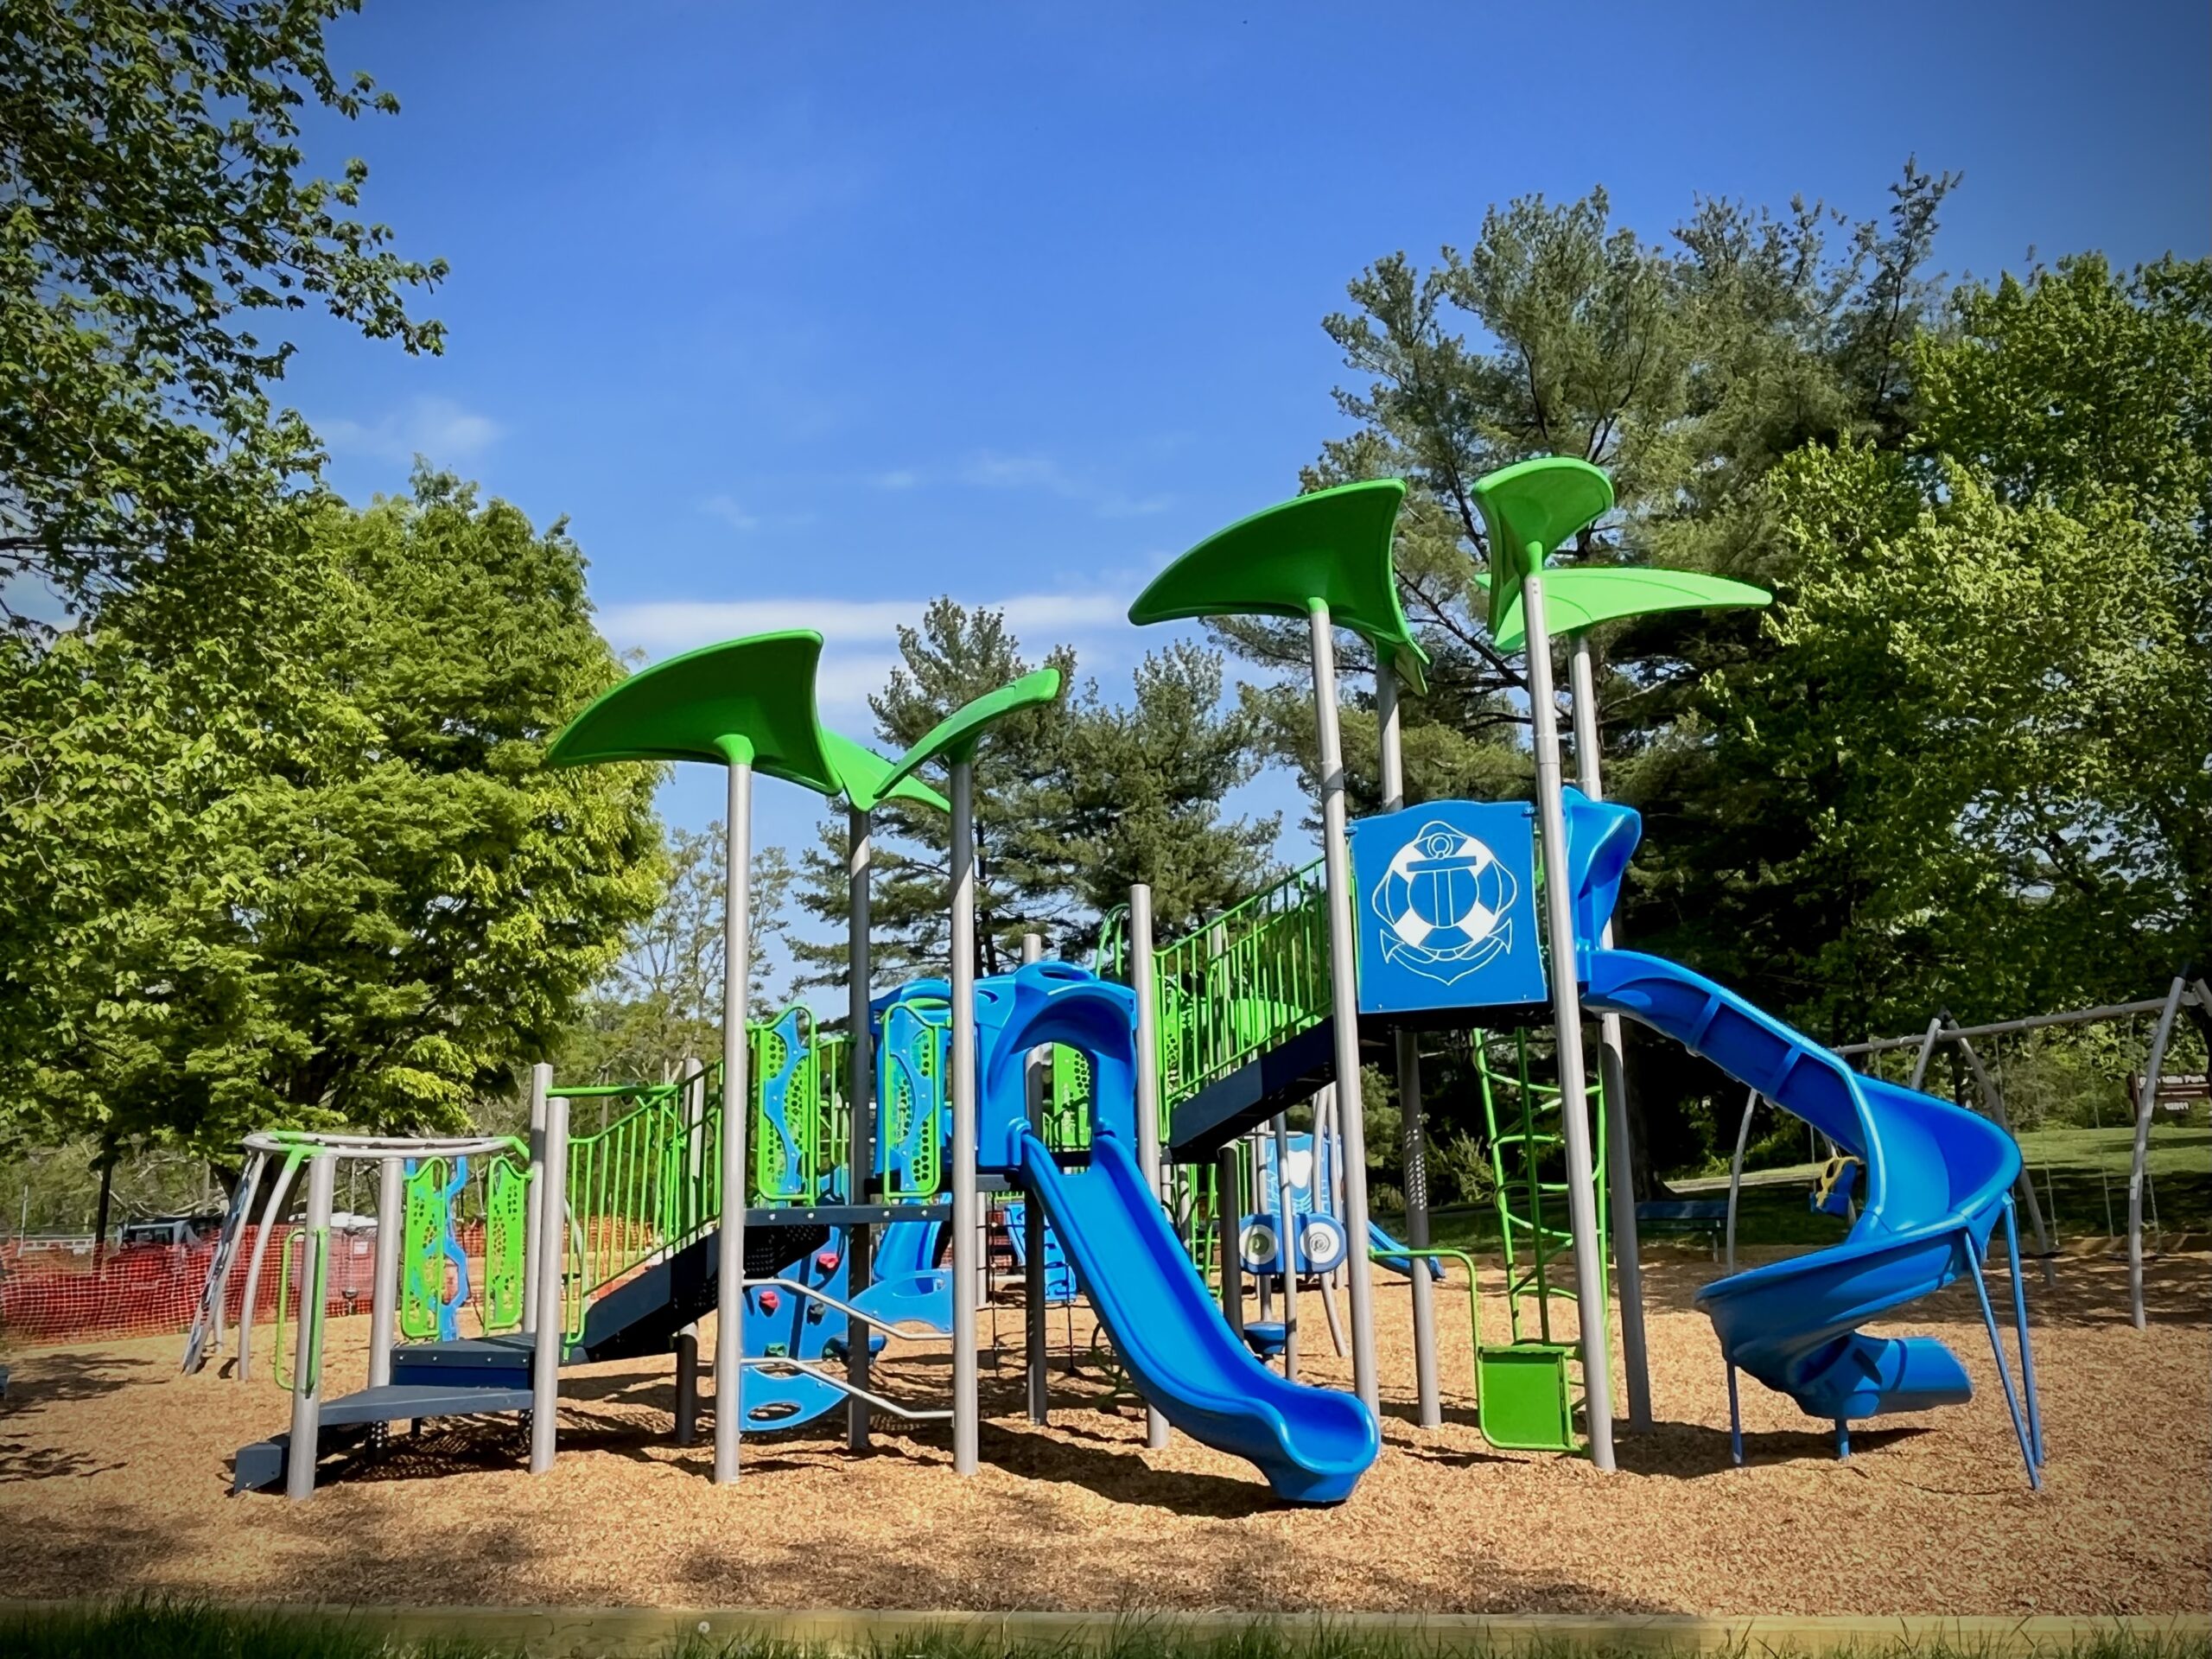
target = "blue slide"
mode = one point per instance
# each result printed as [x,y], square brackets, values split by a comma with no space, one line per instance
[1937,1176]
[1312,1444]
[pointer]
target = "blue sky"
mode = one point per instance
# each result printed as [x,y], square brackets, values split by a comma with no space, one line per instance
[803,314]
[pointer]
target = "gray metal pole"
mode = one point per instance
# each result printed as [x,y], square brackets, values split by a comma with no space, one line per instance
[1343,980]
[1229,1211]
[2145,1100]
[305,1448]
[533,1229]
[966,1209]
[694,1073]
[1414,1143]
[552,1258]
[860,1090]
[737,1100]
[1142,981]
[2002,1027]
[1567,1017]
[1736,1172]
[279,1190]
[306,1382]
[1612,1074]
[1994,1098]
[1287,1245]
[384,1285]
[1036,1335]
[1927,1052]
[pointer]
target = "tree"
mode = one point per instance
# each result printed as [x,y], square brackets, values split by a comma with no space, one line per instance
[662,1003]
[158,224]
[311,870]
[1986,717]
[955,656]
[1137,793]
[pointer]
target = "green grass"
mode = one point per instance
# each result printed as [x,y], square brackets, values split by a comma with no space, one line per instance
[180,1629]
[2082,1175]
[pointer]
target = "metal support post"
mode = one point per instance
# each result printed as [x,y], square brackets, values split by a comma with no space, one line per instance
[737,1098]
[1414,1135]
[533,1230]
[965,1209]
[1567,1018]
[2145,1101]
[860,1091]
[694,1073]
[384,1285]
[307,1358]
[1287,1246]
[552,1314]
[1142,981]
[1229,1211]
[1036,1336]
[1612,1078]
[1343,980]
[1994,1098]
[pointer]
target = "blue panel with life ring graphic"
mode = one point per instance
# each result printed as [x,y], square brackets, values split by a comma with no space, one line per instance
[1447,907]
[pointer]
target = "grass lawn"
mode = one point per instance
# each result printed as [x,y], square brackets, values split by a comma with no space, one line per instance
[158,1629]
[2082,1175]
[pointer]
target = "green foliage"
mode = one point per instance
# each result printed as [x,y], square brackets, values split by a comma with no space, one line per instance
[157,225]
[1979,758]
[284,849]
[662,1003]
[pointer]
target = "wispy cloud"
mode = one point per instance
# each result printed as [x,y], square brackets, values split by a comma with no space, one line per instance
[726,508]
[662,626]
[990,470]
[436,428]
[898,478]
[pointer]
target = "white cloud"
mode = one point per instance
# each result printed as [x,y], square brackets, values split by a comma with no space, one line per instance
[436,428]
[898,478]
[662,627]
[992,471]
[727,508]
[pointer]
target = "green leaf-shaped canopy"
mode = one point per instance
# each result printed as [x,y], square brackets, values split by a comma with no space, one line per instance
[1581,597]
[1529,510]
[748,700]
[954,737]
[1332,546]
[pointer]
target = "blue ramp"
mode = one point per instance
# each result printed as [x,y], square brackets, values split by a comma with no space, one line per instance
[1312,1444]
[1937,1179]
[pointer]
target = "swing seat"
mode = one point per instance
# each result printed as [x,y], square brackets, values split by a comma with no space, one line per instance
[1522,1398]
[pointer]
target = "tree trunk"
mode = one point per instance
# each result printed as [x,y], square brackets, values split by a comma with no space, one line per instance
[100,1212]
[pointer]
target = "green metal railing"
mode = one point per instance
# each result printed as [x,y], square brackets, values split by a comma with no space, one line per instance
[1250,979]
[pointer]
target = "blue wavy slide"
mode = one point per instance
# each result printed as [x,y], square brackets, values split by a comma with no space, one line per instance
[1937,1177]
[1312,1444]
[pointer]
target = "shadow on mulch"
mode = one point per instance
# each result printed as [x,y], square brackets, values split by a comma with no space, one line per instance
[1695,1451]
[1119,1476]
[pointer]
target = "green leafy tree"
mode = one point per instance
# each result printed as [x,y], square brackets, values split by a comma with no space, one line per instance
[158,226]
[1987,723]
[311,870]
[662,1003]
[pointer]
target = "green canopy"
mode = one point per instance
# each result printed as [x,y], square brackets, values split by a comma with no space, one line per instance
[954,737]
[1332,546]
[1580,597]
[748,699]
[1529,510]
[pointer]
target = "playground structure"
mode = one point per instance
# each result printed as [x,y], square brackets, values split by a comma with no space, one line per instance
[799,1187]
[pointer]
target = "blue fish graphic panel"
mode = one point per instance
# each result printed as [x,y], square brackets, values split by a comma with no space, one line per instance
[1447,907]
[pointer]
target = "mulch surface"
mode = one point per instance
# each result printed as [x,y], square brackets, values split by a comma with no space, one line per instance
[114,1477]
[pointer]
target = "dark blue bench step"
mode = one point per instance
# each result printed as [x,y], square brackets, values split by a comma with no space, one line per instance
[346,1421]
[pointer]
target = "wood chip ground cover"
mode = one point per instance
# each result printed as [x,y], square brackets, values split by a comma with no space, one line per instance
[114,1478]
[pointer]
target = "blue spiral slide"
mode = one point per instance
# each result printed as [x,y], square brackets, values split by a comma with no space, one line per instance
[1937,1178]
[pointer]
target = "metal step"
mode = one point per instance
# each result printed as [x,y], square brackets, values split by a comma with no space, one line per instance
[346,1421]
